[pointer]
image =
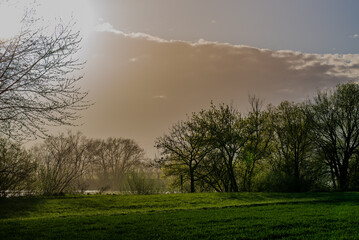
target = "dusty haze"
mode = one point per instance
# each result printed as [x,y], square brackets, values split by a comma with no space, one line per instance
[149,63]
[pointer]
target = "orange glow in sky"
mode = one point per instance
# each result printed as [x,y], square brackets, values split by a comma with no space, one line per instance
[149,63]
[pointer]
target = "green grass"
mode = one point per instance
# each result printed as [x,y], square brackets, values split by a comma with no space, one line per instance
[183,216]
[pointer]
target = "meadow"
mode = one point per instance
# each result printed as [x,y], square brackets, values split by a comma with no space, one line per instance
[183,216]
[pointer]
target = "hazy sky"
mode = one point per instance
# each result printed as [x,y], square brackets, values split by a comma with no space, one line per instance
[326,26]
[151,62]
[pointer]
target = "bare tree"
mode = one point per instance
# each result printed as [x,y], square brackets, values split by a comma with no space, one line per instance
[37,88]
[113,158]
[62,162]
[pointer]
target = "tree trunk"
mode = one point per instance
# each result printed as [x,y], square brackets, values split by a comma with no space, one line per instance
[343,178]
[250,177]
[233,182]
[244,181]
[333,177]
[296,177]
[192,181]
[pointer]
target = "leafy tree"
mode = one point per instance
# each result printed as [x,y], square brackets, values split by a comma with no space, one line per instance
[213,172]
[335,118]
[293,151]
[258,146]
[226,134]
[290,140]
[37,88]
[183,150]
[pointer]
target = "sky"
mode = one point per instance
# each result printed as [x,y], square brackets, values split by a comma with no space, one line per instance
[150,63]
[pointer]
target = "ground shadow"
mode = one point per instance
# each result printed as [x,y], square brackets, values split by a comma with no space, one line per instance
[19,206]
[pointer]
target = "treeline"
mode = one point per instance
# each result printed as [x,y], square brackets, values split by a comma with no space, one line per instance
[308,146]
[70,163]
[292,147]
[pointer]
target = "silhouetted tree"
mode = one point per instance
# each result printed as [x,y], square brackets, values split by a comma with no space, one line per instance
[335,118]
[226,134]
[213,172]
[293,151]
[183,150]
[17,168]
[37,88]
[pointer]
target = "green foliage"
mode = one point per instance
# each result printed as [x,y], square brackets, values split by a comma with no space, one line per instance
[258,146]
[204,149]
[183,150]
[143,181]
[293,161]
[335,117]
[225,131]
[292,147]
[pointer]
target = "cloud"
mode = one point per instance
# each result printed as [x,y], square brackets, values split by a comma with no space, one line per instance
[192,74]
[338,65]
[354,36]
[106,27]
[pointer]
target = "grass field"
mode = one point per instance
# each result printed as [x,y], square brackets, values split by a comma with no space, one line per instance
[183,216]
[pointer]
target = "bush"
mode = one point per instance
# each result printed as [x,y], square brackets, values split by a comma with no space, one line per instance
[144,182]
[17,169]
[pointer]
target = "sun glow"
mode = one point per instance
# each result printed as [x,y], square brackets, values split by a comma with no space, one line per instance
[50,12]
[10,17]
[80,11]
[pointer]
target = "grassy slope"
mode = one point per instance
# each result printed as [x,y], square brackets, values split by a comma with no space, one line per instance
[181,216]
